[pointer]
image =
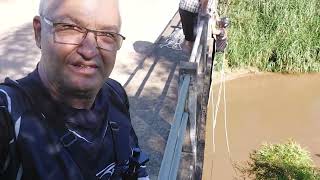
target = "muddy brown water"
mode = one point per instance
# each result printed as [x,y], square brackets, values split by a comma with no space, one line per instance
[262,108]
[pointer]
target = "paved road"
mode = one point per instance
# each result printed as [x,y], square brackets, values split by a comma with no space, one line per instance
[149,73]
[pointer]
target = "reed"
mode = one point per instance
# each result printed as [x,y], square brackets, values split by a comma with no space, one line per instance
[273,35]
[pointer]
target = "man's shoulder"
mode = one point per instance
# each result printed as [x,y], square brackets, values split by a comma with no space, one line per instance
[115,86]
[113,82]
[5,93]
[13,97]
[9,88]
[119,95]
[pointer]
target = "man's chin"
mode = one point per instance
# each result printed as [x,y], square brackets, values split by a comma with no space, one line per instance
[85,86]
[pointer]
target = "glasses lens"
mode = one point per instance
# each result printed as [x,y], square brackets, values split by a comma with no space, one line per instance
[68,34]
[109,41]
[71,34]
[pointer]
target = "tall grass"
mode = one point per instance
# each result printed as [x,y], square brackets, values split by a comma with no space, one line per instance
[274,35]
[285,161]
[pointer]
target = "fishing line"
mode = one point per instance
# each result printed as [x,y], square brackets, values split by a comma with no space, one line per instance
[217,105]
[222,84]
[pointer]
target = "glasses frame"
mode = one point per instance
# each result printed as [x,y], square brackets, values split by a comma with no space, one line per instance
[85,33]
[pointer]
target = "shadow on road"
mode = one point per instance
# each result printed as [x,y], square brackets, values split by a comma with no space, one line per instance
[153,87]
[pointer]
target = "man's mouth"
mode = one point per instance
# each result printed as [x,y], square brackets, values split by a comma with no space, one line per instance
[85,66]
[84,69]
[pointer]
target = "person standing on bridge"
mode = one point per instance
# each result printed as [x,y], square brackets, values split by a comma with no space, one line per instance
[189,11]
[67,120]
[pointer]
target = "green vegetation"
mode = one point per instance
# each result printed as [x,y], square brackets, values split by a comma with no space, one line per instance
[273,35]
[286,161]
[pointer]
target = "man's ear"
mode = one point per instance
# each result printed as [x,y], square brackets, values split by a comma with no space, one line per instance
[37,30]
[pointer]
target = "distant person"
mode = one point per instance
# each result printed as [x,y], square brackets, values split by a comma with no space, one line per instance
[67,120]
[189,10]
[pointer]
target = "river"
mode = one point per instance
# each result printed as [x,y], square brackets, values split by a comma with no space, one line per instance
[261,108]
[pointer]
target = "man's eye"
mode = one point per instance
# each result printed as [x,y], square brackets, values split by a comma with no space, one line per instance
[107,37]
[68,27]
[107,34]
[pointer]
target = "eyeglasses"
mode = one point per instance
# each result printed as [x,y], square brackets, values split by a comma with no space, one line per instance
[65,33]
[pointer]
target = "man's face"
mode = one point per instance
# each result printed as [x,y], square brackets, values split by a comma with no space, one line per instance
[77,68]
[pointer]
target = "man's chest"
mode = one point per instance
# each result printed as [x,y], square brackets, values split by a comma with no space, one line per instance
[45,149]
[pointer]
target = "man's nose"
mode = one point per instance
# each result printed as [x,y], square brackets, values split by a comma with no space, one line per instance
[88,48]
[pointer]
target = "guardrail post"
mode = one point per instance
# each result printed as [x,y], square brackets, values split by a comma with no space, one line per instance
[204,42]
[191,69]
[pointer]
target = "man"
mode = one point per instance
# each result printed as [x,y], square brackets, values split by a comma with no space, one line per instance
[189,10]
[67,120]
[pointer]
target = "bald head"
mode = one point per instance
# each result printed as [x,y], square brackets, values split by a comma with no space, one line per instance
[42,7]
[46,4]
[47,7]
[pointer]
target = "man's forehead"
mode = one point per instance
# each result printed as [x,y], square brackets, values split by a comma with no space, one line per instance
[52,4]
[100,12]
[70,19]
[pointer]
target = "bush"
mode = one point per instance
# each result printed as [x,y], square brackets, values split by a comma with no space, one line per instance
[286,161]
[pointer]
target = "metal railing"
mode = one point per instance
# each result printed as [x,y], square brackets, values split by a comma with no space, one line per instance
[189,106]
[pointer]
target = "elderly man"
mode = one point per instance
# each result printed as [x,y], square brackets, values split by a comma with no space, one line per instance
[67,120]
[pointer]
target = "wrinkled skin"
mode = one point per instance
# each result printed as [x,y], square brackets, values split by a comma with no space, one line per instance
[65,81]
